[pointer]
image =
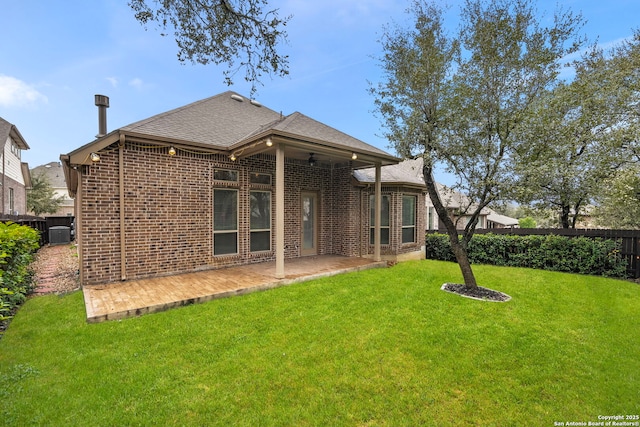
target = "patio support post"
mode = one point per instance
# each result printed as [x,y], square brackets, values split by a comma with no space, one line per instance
[378,216]
[280,212]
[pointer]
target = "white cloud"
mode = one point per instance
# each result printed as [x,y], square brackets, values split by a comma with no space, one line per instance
[136,83]
[113,81]
[16,93]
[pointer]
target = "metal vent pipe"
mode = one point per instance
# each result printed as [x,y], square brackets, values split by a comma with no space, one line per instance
[102,102]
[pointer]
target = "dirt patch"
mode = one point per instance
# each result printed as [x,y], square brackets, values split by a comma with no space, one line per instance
[478,293]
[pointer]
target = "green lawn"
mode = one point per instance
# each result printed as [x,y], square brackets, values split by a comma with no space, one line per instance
[374,348]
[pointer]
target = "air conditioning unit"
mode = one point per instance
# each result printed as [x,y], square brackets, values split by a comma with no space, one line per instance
[59,235]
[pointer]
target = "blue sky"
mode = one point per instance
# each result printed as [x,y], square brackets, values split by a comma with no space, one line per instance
[56,54]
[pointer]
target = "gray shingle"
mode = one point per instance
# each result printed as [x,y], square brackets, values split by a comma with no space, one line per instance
[222,121]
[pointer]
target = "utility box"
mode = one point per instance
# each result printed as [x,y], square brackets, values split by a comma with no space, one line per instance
[59,235]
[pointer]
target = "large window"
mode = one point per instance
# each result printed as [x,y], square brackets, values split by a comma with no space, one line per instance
[225,221]
[260,221]
[408,219]
[384,220]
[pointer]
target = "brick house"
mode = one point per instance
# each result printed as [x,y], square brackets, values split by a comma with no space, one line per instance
[226,181]
[16,178]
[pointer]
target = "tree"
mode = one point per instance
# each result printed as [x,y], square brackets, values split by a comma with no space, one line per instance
[619,205]
[459,100]
[222,31]
[577,136]
[527,222]
[41,198]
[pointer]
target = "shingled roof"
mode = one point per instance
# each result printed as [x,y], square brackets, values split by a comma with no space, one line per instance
[228,120]
[408,172]
[7,129]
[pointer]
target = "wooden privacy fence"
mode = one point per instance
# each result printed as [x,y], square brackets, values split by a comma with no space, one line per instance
[629,240]
[41,224]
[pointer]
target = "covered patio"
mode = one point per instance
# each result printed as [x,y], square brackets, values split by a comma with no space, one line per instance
[136,297]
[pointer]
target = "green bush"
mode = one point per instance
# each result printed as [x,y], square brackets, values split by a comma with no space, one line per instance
[580,255]
[18,244]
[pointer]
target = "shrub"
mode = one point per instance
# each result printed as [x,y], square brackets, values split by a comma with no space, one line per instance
[527,222]
[581,255]
[18,243]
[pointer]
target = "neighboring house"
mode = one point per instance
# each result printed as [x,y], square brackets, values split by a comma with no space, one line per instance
[54,174]
[496,220]
[15,173]
[226,181]
[457,204]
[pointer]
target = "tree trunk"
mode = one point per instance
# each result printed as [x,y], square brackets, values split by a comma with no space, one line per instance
[465,266]
[458,247]
[564,216]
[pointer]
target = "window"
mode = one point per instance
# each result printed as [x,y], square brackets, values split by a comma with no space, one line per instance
[408,219]
[225,222]
[260,221]
[260,178]
[384,220]
[12,201]
[431,218]
[225,175]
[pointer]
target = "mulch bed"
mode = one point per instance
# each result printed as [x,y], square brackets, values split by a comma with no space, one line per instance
[478,293]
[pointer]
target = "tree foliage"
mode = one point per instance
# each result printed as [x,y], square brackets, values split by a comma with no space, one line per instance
[619,203]
[527,222]
[580,134]
[41,197]
[233,32]
[459,100]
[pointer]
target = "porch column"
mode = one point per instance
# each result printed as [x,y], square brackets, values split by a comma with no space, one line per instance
[280,212]
[378,216]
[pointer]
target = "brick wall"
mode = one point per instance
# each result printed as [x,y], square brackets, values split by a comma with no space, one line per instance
[395,246]
[168,211]
[19,197]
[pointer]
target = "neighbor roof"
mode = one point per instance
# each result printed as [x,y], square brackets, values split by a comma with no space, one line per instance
[7,129]
[54,173]
[501,219]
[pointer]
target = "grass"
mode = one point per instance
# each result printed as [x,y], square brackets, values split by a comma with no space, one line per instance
[374,348]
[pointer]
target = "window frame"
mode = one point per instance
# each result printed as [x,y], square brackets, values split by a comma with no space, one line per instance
[253,231]
[382,227]
[253,179]
[414,217]
[226,231]
[229,171]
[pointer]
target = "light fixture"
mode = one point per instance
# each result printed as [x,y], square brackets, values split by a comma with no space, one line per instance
[172,151]
[95,157]
[354,156]
[312,160]
[269,142]
[232,157]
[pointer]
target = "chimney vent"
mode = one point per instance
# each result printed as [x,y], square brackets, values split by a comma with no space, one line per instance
[102,102]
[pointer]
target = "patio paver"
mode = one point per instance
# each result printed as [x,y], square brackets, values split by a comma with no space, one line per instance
[136,297]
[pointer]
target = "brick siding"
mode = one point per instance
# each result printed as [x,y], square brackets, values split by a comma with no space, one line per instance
[168,212]
[19,197]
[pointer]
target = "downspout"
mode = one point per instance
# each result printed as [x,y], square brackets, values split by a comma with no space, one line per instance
[123,257]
